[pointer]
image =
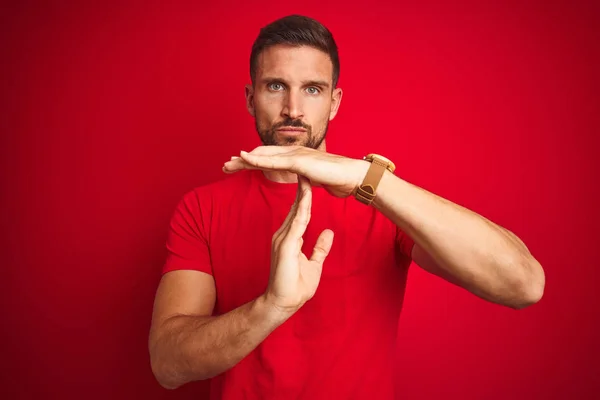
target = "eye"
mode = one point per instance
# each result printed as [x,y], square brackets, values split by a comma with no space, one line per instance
[276,86]
[313,90]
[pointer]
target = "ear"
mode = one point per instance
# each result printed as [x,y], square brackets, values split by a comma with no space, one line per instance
[250,99]
[336,99]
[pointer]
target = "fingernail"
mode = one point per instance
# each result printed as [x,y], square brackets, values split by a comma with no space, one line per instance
[243,152]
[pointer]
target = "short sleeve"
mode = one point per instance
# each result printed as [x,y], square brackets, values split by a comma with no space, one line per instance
[405,243]
[187,244]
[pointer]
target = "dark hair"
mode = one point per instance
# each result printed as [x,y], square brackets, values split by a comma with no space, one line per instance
[296,30]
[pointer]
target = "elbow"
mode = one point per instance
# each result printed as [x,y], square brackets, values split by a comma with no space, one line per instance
[166,384]
[171,375]
[162,376]
[530,288]
[163,367]
[158,365]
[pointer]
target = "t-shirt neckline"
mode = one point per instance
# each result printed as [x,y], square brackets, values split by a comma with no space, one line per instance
[280,186]
[292,186]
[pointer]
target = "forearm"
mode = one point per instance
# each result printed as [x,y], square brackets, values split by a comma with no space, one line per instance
[193,348]
[473,251]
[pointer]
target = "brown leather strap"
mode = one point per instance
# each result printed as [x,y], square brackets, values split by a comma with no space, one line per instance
[367,191]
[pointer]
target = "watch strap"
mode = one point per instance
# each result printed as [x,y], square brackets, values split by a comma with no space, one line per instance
[366,192]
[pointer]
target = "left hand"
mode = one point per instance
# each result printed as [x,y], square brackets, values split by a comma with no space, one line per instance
[339,175]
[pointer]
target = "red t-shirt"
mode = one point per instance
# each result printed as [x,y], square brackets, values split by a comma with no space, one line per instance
[341,343]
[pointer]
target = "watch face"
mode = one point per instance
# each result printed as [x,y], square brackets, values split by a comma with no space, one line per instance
[371,157]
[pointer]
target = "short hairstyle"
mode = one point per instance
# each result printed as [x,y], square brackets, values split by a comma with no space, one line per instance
[296,30]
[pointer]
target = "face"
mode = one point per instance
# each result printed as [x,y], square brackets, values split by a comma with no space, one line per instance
[292,99]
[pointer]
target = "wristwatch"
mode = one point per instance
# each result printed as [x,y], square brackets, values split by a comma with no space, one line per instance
[367,190]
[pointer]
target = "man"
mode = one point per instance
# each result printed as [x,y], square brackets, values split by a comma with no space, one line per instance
[262,298]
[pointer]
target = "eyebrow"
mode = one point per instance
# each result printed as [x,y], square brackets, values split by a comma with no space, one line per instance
[323,84]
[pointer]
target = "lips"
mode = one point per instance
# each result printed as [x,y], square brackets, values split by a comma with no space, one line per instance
[290,129]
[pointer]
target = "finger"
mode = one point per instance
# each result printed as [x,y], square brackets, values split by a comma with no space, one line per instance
[300,193]
[306,187]
[236,165]
[302,218]
[272,150]
[291,214]
[269,162]
[322,247]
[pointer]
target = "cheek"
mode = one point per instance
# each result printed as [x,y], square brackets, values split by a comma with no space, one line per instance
[320,110]
[267,108]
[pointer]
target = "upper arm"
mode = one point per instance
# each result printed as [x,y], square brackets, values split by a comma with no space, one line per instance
[187,286]
[419,256]
[182,292]
[428,263]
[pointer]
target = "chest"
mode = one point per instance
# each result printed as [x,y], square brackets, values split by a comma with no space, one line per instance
[241,235]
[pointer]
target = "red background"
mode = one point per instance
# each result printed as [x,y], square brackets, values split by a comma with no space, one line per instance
[111,112]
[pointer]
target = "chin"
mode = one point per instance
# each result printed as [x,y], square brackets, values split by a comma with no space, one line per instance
[291,141]
[274,139]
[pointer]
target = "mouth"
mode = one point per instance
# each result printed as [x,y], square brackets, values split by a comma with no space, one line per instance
[291,130]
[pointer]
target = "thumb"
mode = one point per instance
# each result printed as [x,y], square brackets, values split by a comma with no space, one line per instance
[322,247]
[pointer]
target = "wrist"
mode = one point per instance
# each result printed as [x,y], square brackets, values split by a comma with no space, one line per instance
[361,167]
[383,190]
[271,311]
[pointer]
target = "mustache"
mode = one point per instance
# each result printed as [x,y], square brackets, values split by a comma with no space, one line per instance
[294,123]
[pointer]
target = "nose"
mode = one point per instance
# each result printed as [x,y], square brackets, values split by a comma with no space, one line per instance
[293,105]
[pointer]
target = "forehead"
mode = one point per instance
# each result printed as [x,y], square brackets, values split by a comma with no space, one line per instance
[294,63]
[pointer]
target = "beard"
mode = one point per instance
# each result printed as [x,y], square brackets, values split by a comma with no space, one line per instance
[268,136]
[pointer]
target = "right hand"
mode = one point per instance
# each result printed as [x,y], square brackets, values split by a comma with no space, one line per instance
[294,277]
